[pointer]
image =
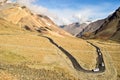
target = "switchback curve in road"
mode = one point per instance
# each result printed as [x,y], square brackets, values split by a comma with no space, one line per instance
[75,63]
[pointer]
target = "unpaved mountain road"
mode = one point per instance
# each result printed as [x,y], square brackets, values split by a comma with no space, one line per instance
[100,62]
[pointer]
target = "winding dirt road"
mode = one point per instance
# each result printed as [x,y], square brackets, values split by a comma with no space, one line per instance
[100,62]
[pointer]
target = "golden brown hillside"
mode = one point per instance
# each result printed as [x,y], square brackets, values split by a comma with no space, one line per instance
[28,55]
[34,55]
[23,17]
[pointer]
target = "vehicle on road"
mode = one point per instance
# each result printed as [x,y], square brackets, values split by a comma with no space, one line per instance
[98,50]
[96,70]
[100,53]
[103,64]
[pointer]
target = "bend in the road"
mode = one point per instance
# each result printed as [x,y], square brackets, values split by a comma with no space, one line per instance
[75,63]
[100,62]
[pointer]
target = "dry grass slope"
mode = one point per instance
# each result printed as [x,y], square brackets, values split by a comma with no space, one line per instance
[25,55]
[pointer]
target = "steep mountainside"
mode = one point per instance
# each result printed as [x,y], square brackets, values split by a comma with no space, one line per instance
[74,28]
[90,28]
[24,18]
[109,29]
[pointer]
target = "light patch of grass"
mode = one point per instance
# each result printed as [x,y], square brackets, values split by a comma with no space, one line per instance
[10,57]
[9,28]
[6,76]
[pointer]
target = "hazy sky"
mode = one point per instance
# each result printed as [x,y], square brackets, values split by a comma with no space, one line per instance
[69,11]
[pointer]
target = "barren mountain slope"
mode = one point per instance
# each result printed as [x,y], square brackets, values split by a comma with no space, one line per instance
[108,28]
[111,28]
[89,29]
[26,19]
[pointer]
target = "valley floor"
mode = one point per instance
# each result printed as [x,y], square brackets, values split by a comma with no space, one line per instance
[24,54]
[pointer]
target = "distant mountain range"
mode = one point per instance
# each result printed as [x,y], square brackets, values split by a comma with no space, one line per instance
[108,28]
[74,28]
[87,31]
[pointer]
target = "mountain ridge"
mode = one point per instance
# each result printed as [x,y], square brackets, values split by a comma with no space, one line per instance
[22,16]
[74,28]
[107,29]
